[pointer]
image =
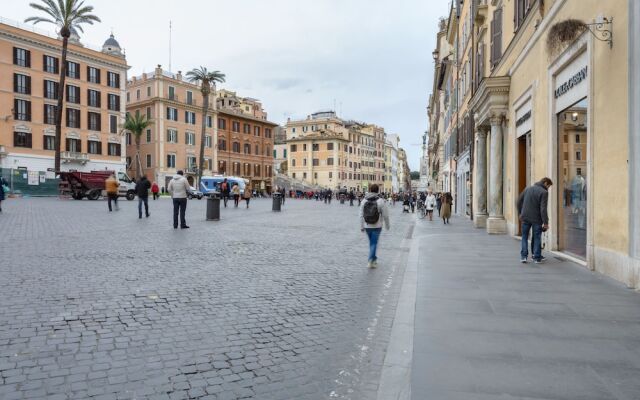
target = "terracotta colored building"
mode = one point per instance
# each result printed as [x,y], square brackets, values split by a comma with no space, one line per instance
[236,143]
[93,109]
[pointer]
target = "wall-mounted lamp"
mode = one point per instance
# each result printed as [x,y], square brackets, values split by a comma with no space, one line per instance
[602,29]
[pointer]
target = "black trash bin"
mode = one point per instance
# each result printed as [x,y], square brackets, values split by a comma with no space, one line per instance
[213,207]
[277,202]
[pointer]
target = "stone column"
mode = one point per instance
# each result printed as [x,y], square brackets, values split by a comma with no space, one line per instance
[496,224]
[480,186]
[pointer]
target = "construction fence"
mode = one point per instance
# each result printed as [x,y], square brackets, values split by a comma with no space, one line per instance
[27,183]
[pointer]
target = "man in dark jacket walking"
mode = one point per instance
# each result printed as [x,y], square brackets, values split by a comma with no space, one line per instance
[532,209]
[142,189]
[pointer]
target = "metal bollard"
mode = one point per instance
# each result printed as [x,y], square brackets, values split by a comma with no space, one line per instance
[213,208]
[277,202]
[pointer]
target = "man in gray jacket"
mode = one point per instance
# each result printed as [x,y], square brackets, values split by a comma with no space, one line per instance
[532,209]
[179,188]
[373,211]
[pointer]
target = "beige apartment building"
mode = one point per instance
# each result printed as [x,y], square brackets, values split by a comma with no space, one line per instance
[93,103]
[560,106]
[237,143]
[358,158]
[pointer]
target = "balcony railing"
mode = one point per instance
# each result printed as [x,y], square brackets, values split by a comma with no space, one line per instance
[72,156]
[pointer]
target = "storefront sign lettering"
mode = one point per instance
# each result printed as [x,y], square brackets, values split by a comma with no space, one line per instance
[573,81]
[523,119]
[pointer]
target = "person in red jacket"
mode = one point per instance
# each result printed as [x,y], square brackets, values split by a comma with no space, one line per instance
[155,190]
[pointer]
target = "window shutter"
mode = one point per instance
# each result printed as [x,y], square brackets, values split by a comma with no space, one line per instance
[68,143]
[44,62]
[29,140]
[492,36]
[28,105]
[28,55]
[168,116]
[498,34]
[118,150]
[15,83]
[88,74]
[99,147]
[15,55]
[28,84]
[56,65]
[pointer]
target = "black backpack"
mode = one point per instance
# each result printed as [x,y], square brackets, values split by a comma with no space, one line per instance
[371,213]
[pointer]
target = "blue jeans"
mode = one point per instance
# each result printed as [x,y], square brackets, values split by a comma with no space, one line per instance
[536,240]
[145,201]
[374,235]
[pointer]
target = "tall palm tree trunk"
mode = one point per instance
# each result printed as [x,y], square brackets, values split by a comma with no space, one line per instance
[205,108]
[61,92]
[138,162]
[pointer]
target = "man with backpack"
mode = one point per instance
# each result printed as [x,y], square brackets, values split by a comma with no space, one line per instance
[373,212]
[532,209]
[224,191]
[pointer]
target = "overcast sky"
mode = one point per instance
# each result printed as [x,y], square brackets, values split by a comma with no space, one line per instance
[372,58]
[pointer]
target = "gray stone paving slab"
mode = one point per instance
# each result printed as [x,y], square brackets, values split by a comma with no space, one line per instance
[258,305]
[488,327]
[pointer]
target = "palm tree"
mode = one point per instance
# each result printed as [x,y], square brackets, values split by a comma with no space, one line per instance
[67,15]
[136,125]
[207,80]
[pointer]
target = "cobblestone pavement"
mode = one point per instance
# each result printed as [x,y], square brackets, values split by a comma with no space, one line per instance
[258,305]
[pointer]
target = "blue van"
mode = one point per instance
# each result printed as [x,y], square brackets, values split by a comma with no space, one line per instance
[211,184]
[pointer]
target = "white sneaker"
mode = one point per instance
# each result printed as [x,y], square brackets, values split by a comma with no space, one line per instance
[371,264]
[375,263]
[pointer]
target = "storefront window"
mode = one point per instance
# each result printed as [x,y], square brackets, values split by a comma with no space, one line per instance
[572,170]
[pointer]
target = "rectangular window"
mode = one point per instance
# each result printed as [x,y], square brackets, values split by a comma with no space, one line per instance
[49,142]
[94,121]
[148,135]
[171,160]
[329,146]
[22,139]
[236,147]
[209,121]
[293,162]
[148,157]
[304,147]
[93,98]
[315,147]
[316,162]
[330,161]
[94,147]
[148,112]
[222,123]
[172,136]
[267,132]
[172,93]
[50,90]
[138,94]
[113,80]
[74,145]
[114,149]
[246,128]
[578,156]
[172,114]
[73,70]
[222,144]
[293,175]
[577,138]
[294,148]
[190,117]
[50,114]
[304,162]
[21,57]
[148,91]
[235,126]
[189,97]
[207,141]
[330,175]
[73,94]
[256,131]
[113,102]
[50,64]
[113,124]
[93,75]
[73,118]
[496,37]
[21,110]
[190,138]
[21,84]
[304,175]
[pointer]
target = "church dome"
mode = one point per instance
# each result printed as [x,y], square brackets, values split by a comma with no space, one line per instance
[111,46]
